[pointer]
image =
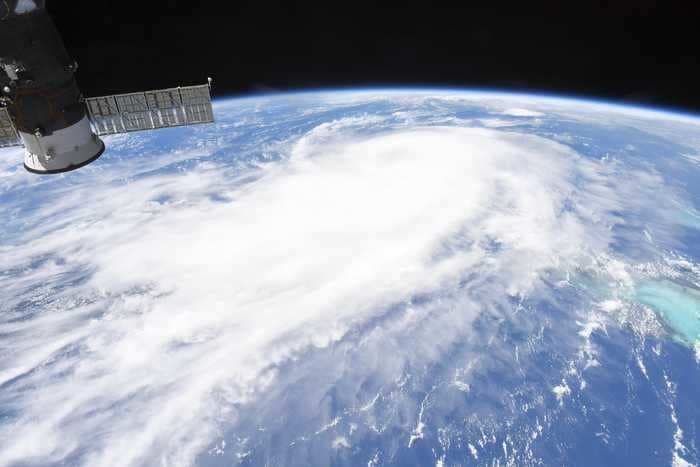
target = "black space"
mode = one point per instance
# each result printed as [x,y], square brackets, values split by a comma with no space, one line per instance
[640,51]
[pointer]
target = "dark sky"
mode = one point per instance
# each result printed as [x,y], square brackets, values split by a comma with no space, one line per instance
[638,51]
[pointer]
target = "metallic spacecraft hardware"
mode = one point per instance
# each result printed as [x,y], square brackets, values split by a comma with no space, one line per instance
[42,108]
[150,110]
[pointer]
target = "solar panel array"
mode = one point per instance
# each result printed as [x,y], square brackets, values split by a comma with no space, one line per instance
[8,134]
[149,110]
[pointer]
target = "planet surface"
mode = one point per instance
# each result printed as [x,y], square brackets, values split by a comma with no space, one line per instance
[365,278]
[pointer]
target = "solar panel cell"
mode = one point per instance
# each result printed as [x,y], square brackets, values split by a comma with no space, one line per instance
[151,109]
[8,134]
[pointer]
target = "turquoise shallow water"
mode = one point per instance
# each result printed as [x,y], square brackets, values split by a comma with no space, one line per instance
[678,306]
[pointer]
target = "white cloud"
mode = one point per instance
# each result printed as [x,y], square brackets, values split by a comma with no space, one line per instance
[497,122]
[518,112]
[561,391]
[189,303]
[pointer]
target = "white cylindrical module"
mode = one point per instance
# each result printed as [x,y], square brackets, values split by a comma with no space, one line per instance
[67,149]
[37,78]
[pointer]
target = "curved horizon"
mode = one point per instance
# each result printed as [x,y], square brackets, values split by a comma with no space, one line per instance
[684,114]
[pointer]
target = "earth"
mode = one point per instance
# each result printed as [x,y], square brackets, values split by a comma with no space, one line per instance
[375,277]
